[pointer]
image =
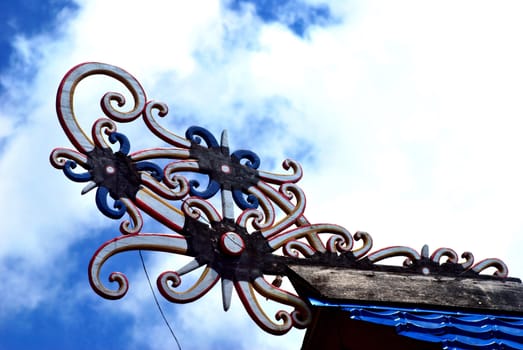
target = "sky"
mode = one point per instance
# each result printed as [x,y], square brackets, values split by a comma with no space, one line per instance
[405,116]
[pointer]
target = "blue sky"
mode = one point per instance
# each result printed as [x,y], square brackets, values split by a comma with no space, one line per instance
[406,118]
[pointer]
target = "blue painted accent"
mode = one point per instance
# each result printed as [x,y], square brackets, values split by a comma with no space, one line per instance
[125,145]
[102,195]
[454,330]
[197,133]
[71,175]
[253,161]
[250,203]
[155,170]
[210,191]
[244,157]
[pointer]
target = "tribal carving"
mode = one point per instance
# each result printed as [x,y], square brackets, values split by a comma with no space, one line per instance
[254,231]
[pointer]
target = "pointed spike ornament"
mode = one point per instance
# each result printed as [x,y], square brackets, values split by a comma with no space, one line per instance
[269,233]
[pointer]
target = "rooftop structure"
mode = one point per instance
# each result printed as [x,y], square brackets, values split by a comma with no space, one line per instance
[246,228]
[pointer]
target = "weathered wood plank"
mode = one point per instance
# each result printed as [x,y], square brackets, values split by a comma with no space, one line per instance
[352,285]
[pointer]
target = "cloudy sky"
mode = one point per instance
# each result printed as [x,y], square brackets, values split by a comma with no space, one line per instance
[406,117]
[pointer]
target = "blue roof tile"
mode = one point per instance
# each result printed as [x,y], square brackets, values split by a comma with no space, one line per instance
[453,329]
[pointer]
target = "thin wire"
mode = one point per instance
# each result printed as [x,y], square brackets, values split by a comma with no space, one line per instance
[157,302]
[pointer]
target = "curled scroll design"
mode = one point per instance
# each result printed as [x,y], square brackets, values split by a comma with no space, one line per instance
[392,252]
[260,229]
[300,317]
[66,90]
[442,260]
[168,243]
[169,280]
[499,265]
[261,219]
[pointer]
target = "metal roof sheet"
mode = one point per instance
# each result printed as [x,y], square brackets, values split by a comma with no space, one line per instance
[453,329]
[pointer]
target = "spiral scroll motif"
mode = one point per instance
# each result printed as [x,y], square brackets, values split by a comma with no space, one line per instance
[268,230]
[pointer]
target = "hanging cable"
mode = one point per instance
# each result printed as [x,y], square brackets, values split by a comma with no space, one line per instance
[157,302]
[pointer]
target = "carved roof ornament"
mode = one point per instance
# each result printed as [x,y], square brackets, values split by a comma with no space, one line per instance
[251,235]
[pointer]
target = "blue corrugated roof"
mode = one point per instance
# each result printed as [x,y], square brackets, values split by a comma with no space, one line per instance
[454,330]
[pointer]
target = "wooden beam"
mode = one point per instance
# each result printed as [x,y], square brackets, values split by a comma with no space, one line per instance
[350,285]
